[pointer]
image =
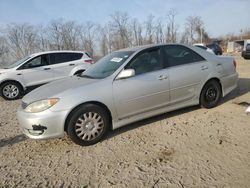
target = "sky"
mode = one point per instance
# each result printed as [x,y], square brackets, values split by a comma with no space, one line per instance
[220,16]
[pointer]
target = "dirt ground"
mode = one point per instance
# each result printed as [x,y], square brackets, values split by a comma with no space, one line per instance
[192,147]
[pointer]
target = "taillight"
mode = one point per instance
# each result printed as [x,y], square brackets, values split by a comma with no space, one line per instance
[235,64]
[89,61]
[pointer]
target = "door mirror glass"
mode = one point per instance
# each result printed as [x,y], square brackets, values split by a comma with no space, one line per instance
[126,74]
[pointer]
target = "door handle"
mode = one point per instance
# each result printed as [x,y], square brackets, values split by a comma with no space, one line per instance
[71,64]
[19,74]
[46,68]
[162,77]
[204,67]
[219,64]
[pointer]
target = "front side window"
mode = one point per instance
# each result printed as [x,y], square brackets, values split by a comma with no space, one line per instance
[180,55]
[36,62]
[146,62]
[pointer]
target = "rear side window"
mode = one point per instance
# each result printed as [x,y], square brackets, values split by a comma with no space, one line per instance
[56,58]
[76,56]
[175,55]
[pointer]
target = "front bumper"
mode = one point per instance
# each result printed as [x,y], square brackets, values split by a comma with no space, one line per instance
[42,125]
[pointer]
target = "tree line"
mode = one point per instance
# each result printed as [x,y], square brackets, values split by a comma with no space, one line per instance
[121,31]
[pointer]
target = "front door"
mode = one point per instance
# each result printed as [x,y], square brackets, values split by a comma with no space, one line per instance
[36,71]
[147,90]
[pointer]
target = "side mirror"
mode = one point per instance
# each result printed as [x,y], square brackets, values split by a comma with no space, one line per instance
[126,74]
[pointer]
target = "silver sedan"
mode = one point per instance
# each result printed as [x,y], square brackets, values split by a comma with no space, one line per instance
[126,86]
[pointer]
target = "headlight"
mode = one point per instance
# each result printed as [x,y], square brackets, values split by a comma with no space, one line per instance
[41,105]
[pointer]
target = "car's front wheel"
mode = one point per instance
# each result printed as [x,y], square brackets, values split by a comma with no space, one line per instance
[87,124]
[210,94]
[11,90]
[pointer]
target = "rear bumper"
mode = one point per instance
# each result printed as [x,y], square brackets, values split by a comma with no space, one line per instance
[245,54]
[229,83]
[42,125]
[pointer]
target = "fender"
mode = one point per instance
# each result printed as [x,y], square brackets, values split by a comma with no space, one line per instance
[212,75]
[12,80]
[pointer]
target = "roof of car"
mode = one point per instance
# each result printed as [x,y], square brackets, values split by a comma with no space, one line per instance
[139,48]
[57,51]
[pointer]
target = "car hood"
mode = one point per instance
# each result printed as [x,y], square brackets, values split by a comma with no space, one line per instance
[5,70]
[57,87]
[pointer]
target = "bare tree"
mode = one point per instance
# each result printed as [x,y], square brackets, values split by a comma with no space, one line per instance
[120,31]
[120,27]
[149,25]
[159,34]
[54,35]
[171,26]
[42,38]
[21,39]
[194,26]
[4,58]
[137,32]
[64,35]
[89,34]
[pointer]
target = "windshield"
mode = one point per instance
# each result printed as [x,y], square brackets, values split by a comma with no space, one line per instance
[107,65]
[16,63]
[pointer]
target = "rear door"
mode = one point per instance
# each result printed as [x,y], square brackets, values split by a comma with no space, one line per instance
[147,90]
[36,71]
[64,62]
[187,69]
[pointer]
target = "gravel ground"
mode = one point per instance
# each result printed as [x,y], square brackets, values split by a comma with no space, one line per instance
[192,147]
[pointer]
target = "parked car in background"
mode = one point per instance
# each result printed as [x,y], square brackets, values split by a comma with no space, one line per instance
[202,46]
[246,52]
[135,83]
[216,48]
[41,68]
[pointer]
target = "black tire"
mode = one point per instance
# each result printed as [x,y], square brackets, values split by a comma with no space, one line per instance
[210,94]
[11,90]
[89,129]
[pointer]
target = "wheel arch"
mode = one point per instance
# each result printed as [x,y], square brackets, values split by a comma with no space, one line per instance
[15,81]
[100,104]
[213,78]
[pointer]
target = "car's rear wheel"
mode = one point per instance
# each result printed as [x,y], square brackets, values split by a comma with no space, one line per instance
[87,124]
[210,94]
[11,90]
